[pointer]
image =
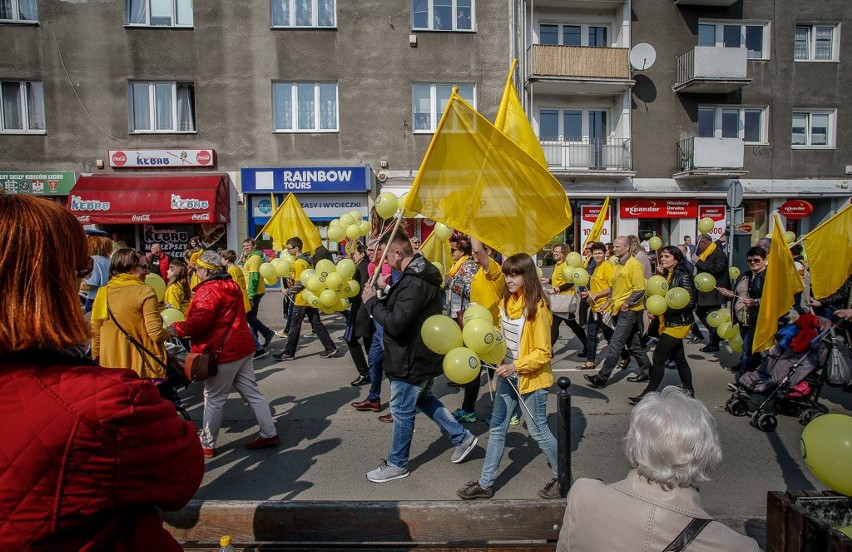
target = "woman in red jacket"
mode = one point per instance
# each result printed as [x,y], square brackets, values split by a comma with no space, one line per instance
[216,321]
[88,454]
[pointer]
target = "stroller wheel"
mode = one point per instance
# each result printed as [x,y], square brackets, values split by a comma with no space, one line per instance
[821,408]
[736,407]
[808,415]
[767,422]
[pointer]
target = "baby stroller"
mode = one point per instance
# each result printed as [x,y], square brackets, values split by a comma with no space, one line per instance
[790,377]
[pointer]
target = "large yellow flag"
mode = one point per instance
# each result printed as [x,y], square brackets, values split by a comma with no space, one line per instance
[781,284]
[829,250]
[436,250]
[290,221]
[477,180]
[512,121]
[597,227]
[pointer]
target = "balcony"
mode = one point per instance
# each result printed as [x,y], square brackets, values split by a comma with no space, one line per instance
[712,70]
[710,158]
[589,156]
[578,69]
[717,3]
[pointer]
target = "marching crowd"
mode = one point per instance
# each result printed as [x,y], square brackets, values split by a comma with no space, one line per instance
[108,445]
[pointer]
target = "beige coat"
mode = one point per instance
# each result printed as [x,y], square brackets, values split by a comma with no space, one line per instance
[639,516]
[137,311]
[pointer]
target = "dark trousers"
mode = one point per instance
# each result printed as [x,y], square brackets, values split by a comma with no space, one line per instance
[701,313]
[669,348]
[628,333]
[358,354]
[572,323]
[471,391]
[594,323]
[313,315]
[256,325]
[748,360]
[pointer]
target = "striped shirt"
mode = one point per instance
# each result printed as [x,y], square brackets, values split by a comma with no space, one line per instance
[512,329]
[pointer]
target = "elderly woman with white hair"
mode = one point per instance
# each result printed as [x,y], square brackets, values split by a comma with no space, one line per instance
[672,445]
[216,321]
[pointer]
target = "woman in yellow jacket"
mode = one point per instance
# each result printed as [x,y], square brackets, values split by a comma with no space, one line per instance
[178,294]
[526,375]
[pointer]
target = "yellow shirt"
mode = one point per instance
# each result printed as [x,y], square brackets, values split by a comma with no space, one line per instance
[534,353]
[237,275]
[627,278]
[486,289]
[175,299]
[299,265]
[601,280]
[252,264]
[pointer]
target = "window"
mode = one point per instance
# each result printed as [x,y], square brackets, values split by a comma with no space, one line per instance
[21,107]
[813,128]
[816,43]
[442,15]
[572,125]
[748,123]
[573,35]
[304,106]
[18,10]
[304,13]
[754,37]
[159,13]
[162,107]
[430,100]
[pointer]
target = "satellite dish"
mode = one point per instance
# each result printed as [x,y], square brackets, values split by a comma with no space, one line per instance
[642,56]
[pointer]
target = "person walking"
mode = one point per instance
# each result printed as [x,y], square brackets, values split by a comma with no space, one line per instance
[158,261]
[255,289]
[526,374]
[229,257]
[561,287]
[599,318]
[217,323]
[89,455]
[410,366]
[710,258]
[460,274]
[358,324]
[674,325]
[100,250]
[745,305]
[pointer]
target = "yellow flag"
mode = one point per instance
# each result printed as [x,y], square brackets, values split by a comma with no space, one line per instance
[597,228]
[477,180]
[781,283]
[829,250]
[436,250]
[512,121]
[290,221]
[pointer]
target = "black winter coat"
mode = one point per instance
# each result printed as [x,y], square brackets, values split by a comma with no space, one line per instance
[361,321]
[684,316]
[840,298]
[755,291]
[717,265]
[413,299]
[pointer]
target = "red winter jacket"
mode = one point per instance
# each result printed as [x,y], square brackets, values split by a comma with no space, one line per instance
[86,456]
[218,302]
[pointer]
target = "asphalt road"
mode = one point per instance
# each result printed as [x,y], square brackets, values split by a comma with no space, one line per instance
[327,446]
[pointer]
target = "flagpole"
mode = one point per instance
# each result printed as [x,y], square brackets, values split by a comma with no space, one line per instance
[378,270]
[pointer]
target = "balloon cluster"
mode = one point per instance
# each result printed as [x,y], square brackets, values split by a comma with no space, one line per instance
[726,328]
[351,225]
[660,297]
[329,287]
[276,268]
[573,271]
[463,349]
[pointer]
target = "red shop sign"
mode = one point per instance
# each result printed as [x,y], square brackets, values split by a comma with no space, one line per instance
[658,208]
[796,209]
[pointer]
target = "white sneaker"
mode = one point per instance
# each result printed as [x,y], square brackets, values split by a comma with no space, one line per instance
[387,472]
[462,450]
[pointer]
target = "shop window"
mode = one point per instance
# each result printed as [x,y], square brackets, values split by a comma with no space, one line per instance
[754,37]
[166,107]
[430,100]
[814,128]
[442,15]
[748,123]
[816,43]
[159,13]
[304,13]
[305,107]
[22,107]
[18,11]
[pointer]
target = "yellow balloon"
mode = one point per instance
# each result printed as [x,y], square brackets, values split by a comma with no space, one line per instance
[364,227]
[267,270]
[324,268]
[351,288]
[461,365]
[346,268]
[705,225]
[580,276]
[736,343]
[311,299]
[346,219]
[714,319]
[726,330]
[655,243]
[442,231]
[356,216]
[335,281]
[656,304]
[827,449]
[704,281]
[538,272]
[574,259]
[336,233]
[328,310]
[342,304]
[328,298]
[734,273]
[441,334]
[677,298]
[405,212]
[568,273]
[281,266]
[479,334]
[724,314]
[335,222]
[170,316]
[271,281]
[315,284]
[846,531]
[353,232]
[386,205]
[789,236]
[656,285]
[306,275]
[476,311]
[156,283]
[496,352]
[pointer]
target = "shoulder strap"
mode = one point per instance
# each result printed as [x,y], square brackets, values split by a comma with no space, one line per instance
[688,534]
[130,338]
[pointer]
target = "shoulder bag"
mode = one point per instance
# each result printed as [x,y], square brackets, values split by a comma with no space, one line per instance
[688,535]
[563,303]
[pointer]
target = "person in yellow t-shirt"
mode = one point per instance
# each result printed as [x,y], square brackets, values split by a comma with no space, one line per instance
[178,294]
[561,287]
[486,289]
[255,289]
[596,297]
[626,302]
[229,256]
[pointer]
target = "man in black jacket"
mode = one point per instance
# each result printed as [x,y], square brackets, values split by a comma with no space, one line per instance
[410,366]
[709,257]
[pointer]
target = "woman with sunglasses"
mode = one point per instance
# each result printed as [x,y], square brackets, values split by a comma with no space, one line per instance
[746,303]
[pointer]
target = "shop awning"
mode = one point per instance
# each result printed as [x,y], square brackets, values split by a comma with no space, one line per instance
[156,199]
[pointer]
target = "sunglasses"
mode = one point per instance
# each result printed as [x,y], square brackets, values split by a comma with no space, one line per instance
[753,261]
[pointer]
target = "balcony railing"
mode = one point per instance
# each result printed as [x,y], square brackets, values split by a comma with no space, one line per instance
[611,154]
[712,69]
[547,61]
[701,153]
[715,3]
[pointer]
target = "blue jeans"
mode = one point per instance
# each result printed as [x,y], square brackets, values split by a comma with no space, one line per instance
[406,398]
[375,357]
[505,403]
[747,363]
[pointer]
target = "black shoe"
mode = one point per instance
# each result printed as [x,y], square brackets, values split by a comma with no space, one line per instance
[261,354]
[595,382]
[635,400]
[360,380]
[638,378]
[710,348]
[696,339]
[329,354]
[267,339]
[689,390]
[583,353]
[283,356]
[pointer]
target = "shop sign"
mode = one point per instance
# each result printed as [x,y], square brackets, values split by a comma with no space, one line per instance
[306,179]
[588,216]
[57,183]
[316,207]
[796,209]
[717,213]
[158,159]
[658,208]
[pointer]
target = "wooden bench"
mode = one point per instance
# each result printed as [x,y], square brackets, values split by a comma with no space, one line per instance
[792,523]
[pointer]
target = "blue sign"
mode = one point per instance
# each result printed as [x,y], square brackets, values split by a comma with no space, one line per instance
[265,206]
[306,180]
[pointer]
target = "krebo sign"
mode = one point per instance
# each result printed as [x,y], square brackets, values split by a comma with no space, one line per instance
[155,158]
[795,209]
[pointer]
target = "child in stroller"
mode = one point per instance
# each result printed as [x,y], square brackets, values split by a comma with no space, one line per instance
[791,375]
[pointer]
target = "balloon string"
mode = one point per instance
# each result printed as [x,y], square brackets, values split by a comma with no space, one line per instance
[523,404]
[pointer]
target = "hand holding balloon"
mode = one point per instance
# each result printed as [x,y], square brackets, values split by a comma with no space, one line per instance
[506,370]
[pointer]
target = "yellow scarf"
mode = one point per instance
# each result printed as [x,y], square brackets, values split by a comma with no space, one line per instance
[707,252]
[99,307]
[458,265]
[514,306]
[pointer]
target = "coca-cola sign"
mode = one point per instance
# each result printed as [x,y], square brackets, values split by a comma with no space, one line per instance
[156,158]
[117,158]
[796,209]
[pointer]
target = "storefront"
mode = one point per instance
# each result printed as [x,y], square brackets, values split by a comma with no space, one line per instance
[325,193]
[55,185]
[165,208]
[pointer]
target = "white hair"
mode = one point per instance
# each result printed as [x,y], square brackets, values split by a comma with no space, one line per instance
[672,439]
